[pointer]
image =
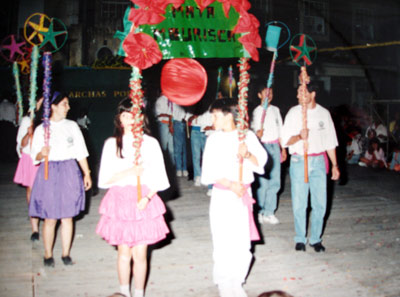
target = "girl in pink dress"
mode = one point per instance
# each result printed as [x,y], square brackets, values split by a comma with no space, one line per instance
[26,171]
[125,222]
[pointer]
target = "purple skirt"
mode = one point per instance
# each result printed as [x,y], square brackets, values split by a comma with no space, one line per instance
[62,195]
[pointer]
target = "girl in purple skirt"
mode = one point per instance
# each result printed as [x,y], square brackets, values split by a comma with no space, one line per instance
[126,223]
[26,171]
[62,195]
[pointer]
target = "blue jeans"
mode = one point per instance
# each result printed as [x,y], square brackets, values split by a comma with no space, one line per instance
[166,140]
[354,159]
[197,141]
[180,145]
[300,189]
[270,182]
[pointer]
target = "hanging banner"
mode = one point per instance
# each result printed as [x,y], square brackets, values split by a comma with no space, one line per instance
[189,30]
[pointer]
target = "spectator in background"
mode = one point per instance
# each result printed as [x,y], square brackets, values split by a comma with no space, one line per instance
[8,131]
[179,139]
[374,156]
[395,162]
[380,130]
[354,148]
[83,120]
[163,112]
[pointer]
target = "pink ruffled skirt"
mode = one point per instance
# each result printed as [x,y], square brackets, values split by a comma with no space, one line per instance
[122,222]
[26,171]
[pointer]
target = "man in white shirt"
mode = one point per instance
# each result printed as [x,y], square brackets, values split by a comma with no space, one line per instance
[321,137]
[267,124]
[163,112]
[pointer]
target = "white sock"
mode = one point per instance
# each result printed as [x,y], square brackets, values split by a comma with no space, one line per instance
[125,290]
[139,293]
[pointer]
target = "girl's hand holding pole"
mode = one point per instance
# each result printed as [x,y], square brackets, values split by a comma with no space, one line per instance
[143,202]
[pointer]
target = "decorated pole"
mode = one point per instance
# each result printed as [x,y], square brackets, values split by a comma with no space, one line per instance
[304,80]
[303,51]
[244,79]
[136,96]
[218,81]
[33,81]
[230,80]
[272,41]
[46,106]
[18,91]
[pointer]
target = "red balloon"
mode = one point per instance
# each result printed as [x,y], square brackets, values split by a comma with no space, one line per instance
[183,81]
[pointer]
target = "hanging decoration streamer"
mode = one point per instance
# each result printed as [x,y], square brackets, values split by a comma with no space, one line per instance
[46,106]
[244,80]
[18,90]
[230,80]
[136,95]
[219,81]
[33,81]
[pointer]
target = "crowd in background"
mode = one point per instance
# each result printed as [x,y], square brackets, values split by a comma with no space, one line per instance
[365,140]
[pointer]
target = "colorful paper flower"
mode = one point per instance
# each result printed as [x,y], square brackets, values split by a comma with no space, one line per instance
[175,3]
[202,4]
[141,50]
[237,4]
[149,12]
[251,42]
[246,23]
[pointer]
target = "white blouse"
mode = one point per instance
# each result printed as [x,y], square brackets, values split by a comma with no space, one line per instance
[154,174]
[22,130]
[66,141]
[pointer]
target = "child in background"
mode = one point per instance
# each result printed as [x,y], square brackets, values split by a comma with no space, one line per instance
[126,222]
[269,132]
[374,157]
[395,163]
[353,148]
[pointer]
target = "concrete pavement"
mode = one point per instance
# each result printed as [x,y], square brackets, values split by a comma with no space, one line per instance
[362,237]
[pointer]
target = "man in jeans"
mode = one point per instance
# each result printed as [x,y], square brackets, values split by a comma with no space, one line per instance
[269,133]
[322,142]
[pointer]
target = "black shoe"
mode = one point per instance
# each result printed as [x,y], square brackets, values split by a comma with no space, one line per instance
[49,262]
[35,236]
[67,260]
[300,247]
[318,247]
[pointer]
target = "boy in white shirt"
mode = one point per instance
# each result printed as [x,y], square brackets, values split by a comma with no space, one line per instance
[267,124]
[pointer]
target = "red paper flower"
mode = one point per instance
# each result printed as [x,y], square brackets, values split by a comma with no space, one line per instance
[150,12]
[202,4]
[251,42]
[246,23]
[239,5]
[175,3]
[142,50]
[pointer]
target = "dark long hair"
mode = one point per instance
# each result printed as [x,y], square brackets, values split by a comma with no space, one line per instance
[125,105]
[55,99]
